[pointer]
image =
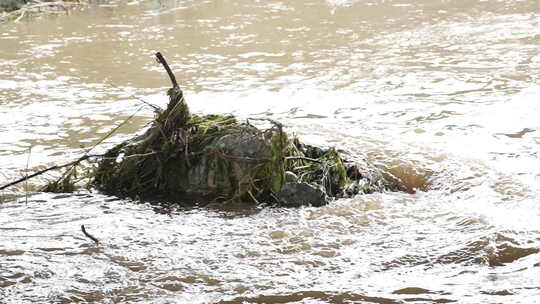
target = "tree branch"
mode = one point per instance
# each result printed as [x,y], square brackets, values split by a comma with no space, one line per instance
[22,179]
[161,60]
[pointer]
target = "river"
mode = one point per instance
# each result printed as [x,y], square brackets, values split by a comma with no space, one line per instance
[444,94]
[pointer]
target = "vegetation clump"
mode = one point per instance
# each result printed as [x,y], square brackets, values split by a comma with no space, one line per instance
[190,158]
[197,158]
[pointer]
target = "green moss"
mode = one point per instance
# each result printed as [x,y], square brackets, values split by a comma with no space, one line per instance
[274,170]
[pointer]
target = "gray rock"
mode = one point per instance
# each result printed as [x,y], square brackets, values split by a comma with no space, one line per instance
[302,194]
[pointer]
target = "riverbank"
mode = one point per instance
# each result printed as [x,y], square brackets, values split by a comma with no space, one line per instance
[16,10]
[11,5]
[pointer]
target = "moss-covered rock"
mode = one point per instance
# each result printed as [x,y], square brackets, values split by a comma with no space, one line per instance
[193,158]
[184,157]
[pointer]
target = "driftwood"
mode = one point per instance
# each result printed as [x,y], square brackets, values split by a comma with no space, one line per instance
[38,173]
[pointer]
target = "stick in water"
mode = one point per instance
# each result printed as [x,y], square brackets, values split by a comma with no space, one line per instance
[88,235]
[161,60]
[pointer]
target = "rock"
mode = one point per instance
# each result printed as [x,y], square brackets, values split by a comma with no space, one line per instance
[243,145]
[302,194]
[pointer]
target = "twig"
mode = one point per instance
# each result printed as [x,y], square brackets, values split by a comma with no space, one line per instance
[135,97]
[253,197]
[63,4]
[23,11]
[85,157]
[168,69]
[134,155]
[96,144]
[114,130]
[303,158]
[88,235]
[176,103]
[275,123]
[274,196]
[75,162]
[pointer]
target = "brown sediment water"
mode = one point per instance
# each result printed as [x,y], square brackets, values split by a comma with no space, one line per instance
[444,94]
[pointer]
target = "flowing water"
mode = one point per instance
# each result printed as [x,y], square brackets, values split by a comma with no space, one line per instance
[444,94]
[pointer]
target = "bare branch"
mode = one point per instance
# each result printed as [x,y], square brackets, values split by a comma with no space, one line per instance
[168,69]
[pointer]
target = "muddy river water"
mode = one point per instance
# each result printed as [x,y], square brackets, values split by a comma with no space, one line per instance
[443,93]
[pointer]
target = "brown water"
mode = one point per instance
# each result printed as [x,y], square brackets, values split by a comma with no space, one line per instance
[445,94]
